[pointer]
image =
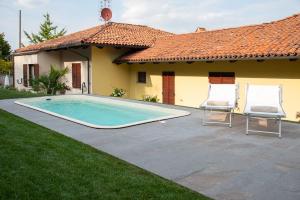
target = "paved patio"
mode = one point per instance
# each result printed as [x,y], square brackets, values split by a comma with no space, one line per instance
[220,162]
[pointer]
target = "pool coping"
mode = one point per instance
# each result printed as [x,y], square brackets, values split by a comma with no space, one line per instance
[177,113]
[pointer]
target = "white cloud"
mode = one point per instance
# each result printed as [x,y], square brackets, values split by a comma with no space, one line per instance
[185,16]
[31,3]
[176,15]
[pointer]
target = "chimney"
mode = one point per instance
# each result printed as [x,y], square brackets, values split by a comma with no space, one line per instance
[200,29]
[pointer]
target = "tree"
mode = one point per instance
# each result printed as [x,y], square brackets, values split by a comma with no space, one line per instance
[5,67]
[5,48]
[47,31]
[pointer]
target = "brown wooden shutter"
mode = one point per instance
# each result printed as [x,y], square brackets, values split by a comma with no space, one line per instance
[172,88]
[25,75]
[36,70]
[228,80]
[73,76]
[221,77]
[165,88]
[76,75]
[215,80]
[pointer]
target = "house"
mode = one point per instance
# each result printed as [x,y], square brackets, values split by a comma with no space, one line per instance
[88,54]
[176,68]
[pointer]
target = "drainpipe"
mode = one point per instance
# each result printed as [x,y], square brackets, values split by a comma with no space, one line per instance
[88,61]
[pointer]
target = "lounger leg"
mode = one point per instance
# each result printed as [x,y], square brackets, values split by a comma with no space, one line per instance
[280,128]
[204,115]
[247,125]
[230,119]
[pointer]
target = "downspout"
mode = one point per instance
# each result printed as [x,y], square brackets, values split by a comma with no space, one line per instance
[88,61]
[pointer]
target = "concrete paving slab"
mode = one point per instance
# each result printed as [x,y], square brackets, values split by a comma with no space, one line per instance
[217,161]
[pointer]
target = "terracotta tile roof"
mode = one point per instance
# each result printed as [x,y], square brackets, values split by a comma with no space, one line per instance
[126,35]
[276,39]
[64,41]
[111,34]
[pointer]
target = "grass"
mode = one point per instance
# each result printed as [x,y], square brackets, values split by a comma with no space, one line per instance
[12,93]
[37,163]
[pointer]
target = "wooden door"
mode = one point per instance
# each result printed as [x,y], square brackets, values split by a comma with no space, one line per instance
[168,88]
[76,75]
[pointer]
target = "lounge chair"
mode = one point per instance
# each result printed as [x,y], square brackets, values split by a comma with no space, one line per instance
[221,98]
[264,102]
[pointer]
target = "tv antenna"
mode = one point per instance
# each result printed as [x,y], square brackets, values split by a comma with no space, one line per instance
[105,12]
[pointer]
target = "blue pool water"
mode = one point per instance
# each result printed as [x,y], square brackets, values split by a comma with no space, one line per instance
[98,113]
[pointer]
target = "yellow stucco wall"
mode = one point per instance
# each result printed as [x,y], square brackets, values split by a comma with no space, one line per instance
[106,75]
[191,80]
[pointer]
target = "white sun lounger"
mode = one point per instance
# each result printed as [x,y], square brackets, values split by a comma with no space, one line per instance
[264,102]
[221,98]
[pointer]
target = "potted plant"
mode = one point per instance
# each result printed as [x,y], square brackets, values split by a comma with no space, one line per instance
[63,88]
[148,98]
[118,92]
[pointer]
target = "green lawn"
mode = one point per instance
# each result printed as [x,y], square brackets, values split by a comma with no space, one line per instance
[37,163]
[12,94]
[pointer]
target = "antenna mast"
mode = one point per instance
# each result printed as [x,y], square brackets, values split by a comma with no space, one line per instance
[20,28]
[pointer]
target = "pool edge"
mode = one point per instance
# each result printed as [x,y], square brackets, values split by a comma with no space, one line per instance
[173,116]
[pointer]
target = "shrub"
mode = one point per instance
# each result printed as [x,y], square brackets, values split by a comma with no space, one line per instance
[148,98]
[51,83]
[118,92]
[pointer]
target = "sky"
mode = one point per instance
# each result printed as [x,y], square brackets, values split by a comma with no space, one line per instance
[178,16]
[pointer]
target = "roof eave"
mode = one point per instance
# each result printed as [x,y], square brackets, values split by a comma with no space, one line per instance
[118,61]
[29,52]
[23,53]
[78,45]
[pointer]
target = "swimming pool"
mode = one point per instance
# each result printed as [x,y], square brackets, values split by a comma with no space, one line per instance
[100,112]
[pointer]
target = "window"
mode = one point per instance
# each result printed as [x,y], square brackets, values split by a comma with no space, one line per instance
[30,72]
[76,75]
[142,77]
[221,77]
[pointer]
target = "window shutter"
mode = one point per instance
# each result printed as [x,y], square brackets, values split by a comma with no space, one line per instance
[36,70]
[25,75]
[228,80]
[78,76]
[221,77]
[74,76]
